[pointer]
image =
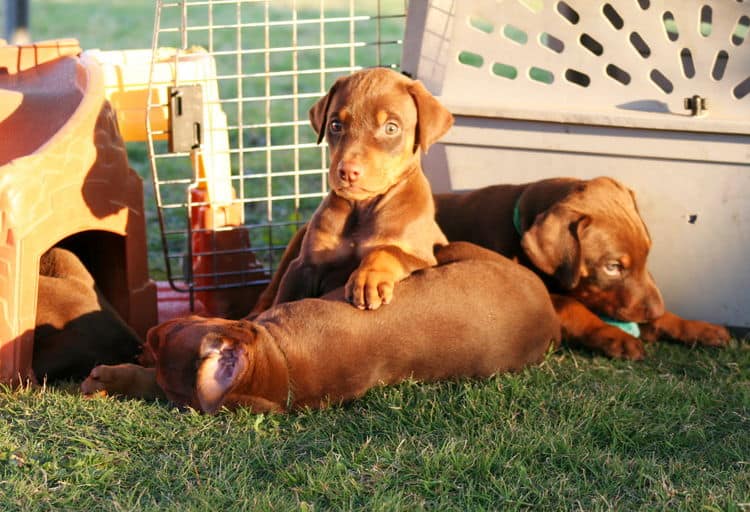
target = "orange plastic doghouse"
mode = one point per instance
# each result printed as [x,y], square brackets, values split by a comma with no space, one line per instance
[64,180]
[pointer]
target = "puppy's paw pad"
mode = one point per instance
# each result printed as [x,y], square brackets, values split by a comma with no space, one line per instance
[101,380]
[102,393]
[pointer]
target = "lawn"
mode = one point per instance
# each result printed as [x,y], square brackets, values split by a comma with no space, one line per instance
[578,432]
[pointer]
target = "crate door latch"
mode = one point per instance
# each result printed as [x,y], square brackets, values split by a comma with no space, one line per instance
[697,105]
[185,118]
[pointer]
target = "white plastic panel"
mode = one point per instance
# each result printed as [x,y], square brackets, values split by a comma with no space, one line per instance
[616,62]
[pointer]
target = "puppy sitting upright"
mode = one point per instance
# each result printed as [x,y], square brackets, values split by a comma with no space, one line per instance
[376,226]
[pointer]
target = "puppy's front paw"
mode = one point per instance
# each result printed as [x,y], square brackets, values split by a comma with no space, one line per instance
[689,332]
[617,344]
[704,333]
[112,380]
[93,385]
[369,289]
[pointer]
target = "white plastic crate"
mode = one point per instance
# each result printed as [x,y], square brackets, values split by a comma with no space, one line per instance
[545,88]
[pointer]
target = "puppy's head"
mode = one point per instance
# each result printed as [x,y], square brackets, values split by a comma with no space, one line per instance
[200,360]
[375,121]
[596,245]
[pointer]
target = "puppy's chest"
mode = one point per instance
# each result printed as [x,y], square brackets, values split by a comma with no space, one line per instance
[358,234]
[360,231]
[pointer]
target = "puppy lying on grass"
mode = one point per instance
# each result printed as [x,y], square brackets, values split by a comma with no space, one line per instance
[474,315]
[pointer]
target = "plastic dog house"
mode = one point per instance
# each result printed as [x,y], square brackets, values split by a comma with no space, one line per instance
[64,179]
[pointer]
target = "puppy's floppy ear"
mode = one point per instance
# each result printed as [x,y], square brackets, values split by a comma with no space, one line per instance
[433,119]
[319,112]
[223,361]
[150,349]
[553,243]
[157,334]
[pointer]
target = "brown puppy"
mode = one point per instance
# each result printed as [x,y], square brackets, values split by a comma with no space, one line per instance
[587,239]
[76,328]
[590,245]
[376,226]
[314,352]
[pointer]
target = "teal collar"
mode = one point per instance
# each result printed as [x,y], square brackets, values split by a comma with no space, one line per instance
[629,327]
[517,216]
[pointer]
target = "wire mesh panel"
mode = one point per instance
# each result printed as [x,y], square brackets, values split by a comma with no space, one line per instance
[250,172]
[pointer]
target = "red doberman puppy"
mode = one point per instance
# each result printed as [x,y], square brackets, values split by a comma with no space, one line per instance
[377,224]
[587,239]
[76,328]
[450,322]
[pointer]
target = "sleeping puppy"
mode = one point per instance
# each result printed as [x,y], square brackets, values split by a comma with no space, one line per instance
[450,322]
[76,328]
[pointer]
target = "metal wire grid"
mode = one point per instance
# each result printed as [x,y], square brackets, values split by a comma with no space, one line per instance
[273,60]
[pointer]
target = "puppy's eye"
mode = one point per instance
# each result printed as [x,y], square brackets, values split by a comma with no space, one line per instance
[613,268]
[392,128]
[335,126]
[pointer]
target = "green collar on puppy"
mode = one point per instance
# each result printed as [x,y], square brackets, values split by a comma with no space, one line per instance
[517,216]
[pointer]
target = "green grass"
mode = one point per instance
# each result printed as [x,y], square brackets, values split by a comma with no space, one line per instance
[579,432]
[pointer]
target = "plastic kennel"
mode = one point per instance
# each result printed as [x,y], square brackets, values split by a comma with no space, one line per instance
[64,180]
[654,93]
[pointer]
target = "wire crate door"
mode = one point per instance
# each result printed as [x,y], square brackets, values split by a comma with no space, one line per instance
[229,201]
